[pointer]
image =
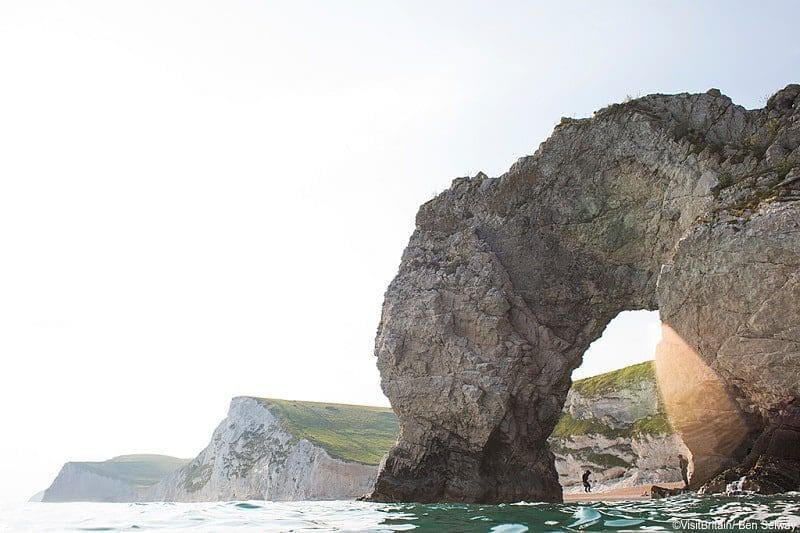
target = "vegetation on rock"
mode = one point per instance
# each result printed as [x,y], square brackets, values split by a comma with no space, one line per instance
[348,432]
[615,380]
[653,425]
[569,426]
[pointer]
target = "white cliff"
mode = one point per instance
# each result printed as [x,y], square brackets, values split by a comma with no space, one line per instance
[75,483]
[125,478]
[253,456]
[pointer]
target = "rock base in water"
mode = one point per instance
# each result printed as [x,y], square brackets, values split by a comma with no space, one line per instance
[657,492]
[773,464]
[688,204]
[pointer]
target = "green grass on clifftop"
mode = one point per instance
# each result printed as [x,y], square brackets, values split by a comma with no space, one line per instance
[356,433]
[569,426]
[615,380]
[142,470]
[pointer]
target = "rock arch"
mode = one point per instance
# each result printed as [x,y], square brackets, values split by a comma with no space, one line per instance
[683,203]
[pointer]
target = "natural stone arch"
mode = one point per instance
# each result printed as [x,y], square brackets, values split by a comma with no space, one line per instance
[507,281]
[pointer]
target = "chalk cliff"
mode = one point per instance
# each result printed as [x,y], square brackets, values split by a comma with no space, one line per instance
[260,452]
[685,203]
[125,478]
[264,449]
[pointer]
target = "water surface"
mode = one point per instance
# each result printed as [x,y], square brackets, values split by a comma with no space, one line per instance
[671,514]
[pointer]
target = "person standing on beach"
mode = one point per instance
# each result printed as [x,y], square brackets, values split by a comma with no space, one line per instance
[586,486]
[684,464]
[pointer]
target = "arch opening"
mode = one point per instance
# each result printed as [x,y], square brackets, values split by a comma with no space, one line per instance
[628,339]
[613,422]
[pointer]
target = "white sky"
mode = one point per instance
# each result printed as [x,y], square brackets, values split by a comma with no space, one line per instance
[200,200]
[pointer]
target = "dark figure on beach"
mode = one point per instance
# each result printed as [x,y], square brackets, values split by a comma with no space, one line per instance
[586,486]
[684,462]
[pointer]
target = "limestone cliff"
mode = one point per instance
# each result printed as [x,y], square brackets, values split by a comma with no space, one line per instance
[615,425]
[685,203]
[121,479]
[281,450]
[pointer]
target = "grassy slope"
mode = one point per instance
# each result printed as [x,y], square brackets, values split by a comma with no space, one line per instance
[141,470]
[349,432]
[615,380]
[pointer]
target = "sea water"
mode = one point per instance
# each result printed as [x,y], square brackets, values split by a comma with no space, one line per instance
[680,513]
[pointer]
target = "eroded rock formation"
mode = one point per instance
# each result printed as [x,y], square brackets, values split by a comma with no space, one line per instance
[684,203]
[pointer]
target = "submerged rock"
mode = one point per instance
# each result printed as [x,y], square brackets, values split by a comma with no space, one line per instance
[657,492]
[685,203]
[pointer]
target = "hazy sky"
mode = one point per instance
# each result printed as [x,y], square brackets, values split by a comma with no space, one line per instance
[200,200]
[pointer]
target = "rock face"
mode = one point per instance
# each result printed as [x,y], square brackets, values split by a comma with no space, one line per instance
[615,425]
[254,456]
[772,465]
[121,479]
[684,203]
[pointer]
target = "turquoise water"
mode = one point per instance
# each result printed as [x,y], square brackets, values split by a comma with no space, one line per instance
[737,513]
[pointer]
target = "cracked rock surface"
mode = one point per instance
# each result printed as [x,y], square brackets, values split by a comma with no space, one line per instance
[685,203]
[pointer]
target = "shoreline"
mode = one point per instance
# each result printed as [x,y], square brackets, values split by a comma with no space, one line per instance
[635,492]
